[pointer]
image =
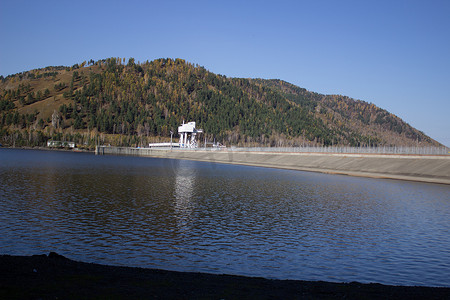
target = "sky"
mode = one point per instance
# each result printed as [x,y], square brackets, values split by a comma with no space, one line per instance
[395,54]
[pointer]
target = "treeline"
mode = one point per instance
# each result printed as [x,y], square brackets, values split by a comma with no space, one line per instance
[153,98]
[130,103]
[352,115]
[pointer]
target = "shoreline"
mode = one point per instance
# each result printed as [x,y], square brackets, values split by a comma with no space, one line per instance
[406,167]
[76,150]
[55,276]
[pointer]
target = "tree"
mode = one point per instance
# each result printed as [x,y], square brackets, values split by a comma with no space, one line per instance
[78,122]
[56,119]
[30,98]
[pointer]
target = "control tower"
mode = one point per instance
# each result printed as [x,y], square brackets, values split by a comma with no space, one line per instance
[187,134]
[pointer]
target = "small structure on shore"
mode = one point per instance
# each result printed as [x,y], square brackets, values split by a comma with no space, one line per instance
[60,144]
[188,134]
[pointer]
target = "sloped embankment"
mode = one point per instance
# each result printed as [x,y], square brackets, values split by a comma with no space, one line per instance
[424,168]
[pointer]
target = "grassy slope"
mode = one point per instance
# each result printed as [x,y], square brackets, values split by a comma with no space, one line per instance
[46,106]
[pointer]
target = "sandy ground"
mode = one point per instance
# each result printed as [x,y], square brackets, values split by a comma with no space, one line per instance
[56,277]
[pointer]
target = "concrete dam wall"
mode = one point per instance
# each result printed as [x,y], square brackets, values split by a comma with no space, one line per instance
[425,168]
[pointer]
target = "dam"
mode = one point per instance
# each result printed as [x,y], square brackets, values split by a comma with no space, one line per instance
[414,167]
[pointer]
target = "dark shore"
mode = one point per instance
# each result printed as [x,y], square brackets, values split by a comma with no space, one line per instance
[56,277]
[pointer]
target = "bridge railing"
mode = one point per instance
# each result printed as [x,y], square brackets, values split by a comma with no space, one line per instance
[353,150]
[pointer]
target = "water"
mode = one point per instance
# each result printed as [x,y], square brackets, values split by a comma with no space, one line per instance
[216,218]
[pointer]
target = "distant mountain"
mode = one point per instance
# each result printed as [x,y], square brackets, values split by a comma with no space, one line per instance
[112,101]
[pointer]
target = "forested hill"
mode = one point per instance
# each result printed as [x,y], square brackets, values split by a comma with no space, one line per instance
[119,102]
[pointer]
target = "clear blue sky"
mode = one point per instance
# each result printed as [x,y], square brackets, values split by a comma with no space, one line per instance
[395,54]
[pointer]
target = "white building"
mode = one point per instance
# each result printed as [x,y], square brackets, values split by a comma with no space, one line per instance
[188,134]
[60,144]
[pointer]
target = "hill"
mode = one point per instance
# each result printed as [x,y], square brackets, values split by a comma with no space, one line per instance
[112,101]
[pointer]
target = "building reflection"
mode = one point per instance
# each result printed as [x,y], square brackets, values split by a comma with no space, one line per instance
[185,179]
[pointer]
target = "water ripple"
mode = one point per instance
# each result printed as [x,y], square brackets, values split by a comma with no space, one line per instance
[192,216]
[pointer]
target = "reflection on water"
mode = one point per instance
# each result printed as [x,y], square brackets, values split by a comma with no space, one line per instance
[193,216]
[184,191]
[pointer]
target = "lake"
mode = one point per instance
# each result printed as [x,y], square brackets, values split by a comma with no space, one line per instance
[225,219]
